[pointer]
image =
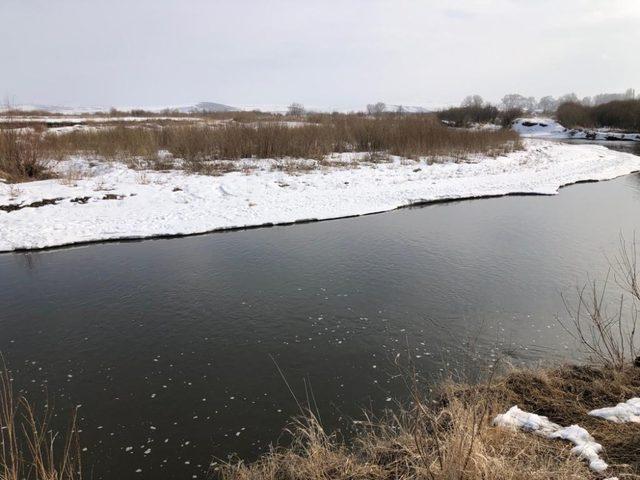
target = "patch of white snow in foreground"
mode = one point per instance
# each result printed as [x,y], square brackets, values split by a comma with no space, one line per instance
[585,446]
[628,412]
[150,203]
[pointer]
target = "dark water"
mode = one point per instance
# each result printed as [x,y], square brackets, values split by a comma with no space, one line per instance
[167,344]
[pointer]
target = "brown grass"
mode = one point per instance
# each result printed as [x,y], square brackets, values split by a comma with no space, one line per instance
[29,449]
[567,394]
[408,136]
[454,440]
[21,156]
[113,143]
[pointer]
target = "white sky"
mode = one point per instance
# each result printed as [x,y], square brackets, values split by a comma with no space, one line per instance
[323,53]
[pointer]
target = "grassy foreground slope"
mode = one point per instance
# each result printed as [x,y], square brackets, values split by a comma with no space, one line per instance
[456,438]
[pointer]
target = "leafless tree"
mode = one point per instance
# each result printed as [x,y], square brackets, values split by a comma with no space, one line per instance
[569,98]
[472,101]
[296,109]
[376,108]
[609,334]
[548,104]
[515,101]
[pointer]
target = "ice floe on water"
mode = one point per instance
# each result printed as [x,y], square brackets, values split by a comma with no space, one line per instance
[96,201]
[585,446]
[627,412]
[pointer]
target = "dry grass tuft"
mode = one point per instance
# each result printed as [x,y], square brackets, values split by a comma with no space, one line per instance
[21,156]
[567,394]
[454,441]
[29,449]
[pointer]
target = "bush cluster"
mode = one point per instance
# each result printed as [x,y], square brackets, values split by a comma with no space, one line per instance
[619,114]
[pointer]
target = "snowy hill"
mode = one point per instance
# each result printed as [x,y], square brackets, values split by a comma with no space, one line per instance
[207,107]
[75,110]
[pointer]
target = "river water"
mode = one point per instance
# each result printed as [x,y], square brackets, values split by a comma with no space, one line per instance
[172,346]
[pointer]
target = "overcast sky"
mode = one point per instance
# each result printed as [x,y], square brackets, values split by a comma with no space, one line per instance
[323,53]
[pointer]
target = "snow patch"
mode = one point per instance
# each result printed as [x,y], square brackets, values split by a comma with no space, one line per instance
[117,202]
[585,446]
[628,412]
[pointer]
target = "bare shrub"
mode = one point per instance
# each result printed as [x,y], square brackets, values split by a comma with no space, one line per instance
[212,167]
[609,334]
[296,109]
[619,114]
[507,117]
[622,114]
[471,113]
[376,108]
[21,156]
[574,115]
[72,174]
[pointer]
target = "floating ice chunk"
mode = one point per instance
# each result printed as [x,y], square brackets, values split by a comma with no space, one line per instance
[585,446]
[628,412]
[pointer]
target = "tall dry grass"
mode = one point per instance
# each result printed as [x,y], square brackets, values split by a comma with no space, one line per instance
[22,156]
[454,438]
[29,449]
[452,441]
[407,136]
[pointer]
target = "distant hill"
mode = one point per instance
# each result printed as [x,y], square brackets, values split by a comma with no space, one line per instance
[407,109]
[207,107]
[198,107]
[53,109]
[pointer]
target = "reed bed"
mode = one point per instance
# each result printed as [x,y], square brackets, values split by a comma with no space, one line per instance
[406,136]
[196,144]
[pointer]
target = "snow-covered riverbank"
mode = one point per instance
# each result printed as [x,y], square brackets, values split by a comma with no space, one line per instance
[551,129]
[112,201]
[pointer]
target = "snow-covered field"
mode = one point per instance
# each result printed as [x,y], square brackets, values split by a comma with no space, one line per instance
[549,128]
[105,201]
